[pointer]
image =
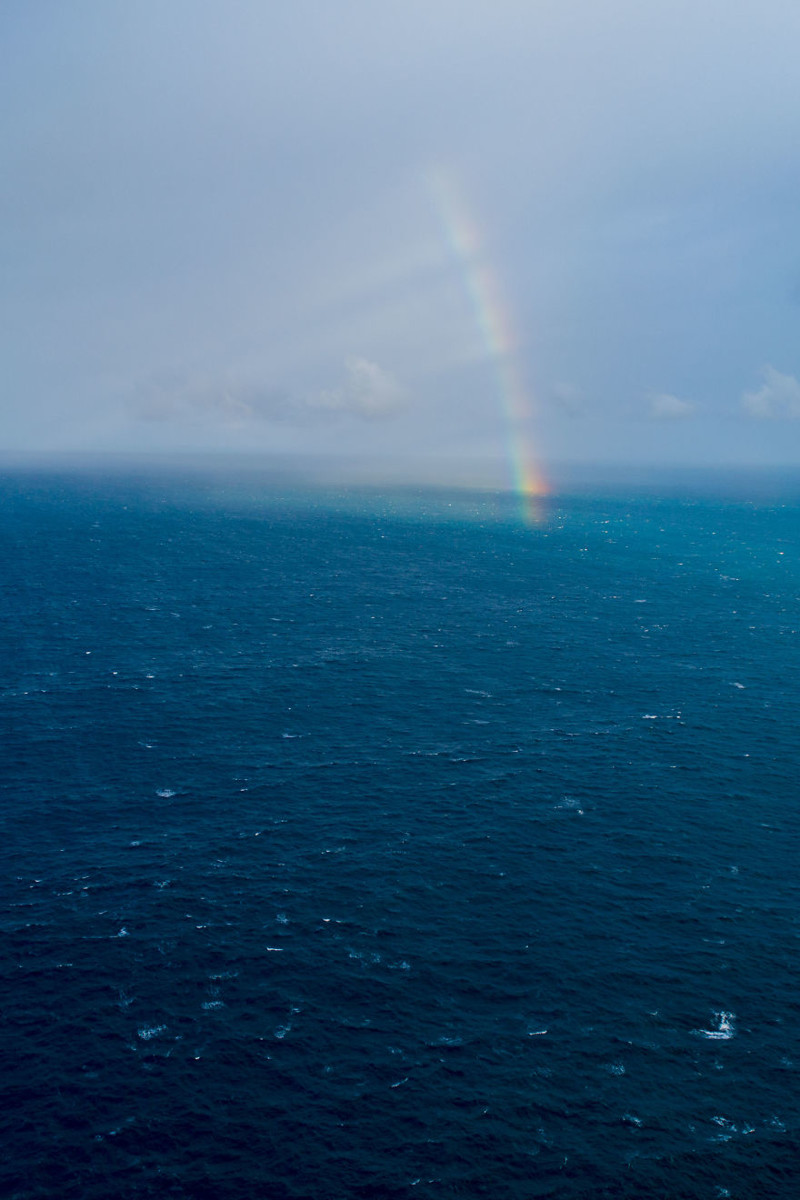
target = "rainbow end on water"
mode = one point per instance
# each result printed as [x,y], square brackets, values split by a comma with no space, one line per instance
[496,329]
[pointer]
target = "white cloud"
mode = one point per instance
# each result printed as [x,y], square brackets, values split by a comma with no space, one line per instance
[778,398]
[666,407]
[368,391]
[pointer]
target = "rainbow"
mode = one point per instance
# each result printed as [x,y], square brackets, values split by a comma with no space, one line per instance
[493,320]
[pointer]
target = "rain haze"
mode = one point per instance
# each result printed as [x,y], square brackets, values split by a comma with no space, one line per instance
[456,240]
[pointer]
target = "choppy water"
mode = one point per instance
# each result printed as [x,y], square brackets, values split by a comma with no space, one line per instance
[387,847]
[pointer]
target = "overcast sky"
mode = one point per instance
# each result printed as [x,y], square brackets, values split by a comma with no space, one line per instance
[220,227]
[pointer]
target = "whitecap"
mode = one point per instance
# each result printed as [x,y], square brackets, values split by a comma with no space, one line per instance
[569,804]
[147,1032]
[724,1030]
[370,958]
[165,793]
[727,1126]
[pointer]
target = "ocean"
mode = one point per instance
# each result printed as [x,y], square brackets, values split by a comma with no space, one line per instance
[388,845]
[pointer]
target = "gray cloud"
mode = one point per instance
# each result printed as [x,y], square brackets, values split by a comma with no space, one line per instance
[367,392]
[778,398]
[569,399]
[178,397]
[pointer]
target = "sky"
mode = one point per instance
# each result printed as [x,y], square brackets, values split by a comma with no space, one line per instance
[459,237]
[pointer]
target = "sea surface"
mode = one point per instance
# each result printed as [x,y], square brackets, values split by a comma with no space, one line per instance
[363,845]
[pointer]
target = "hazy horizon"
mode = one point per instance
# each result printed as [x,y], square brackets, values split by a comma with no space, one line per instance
[779,482]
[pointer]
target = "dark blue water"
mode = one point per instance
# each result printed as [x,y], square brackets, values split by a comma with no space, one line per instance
[389,847]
